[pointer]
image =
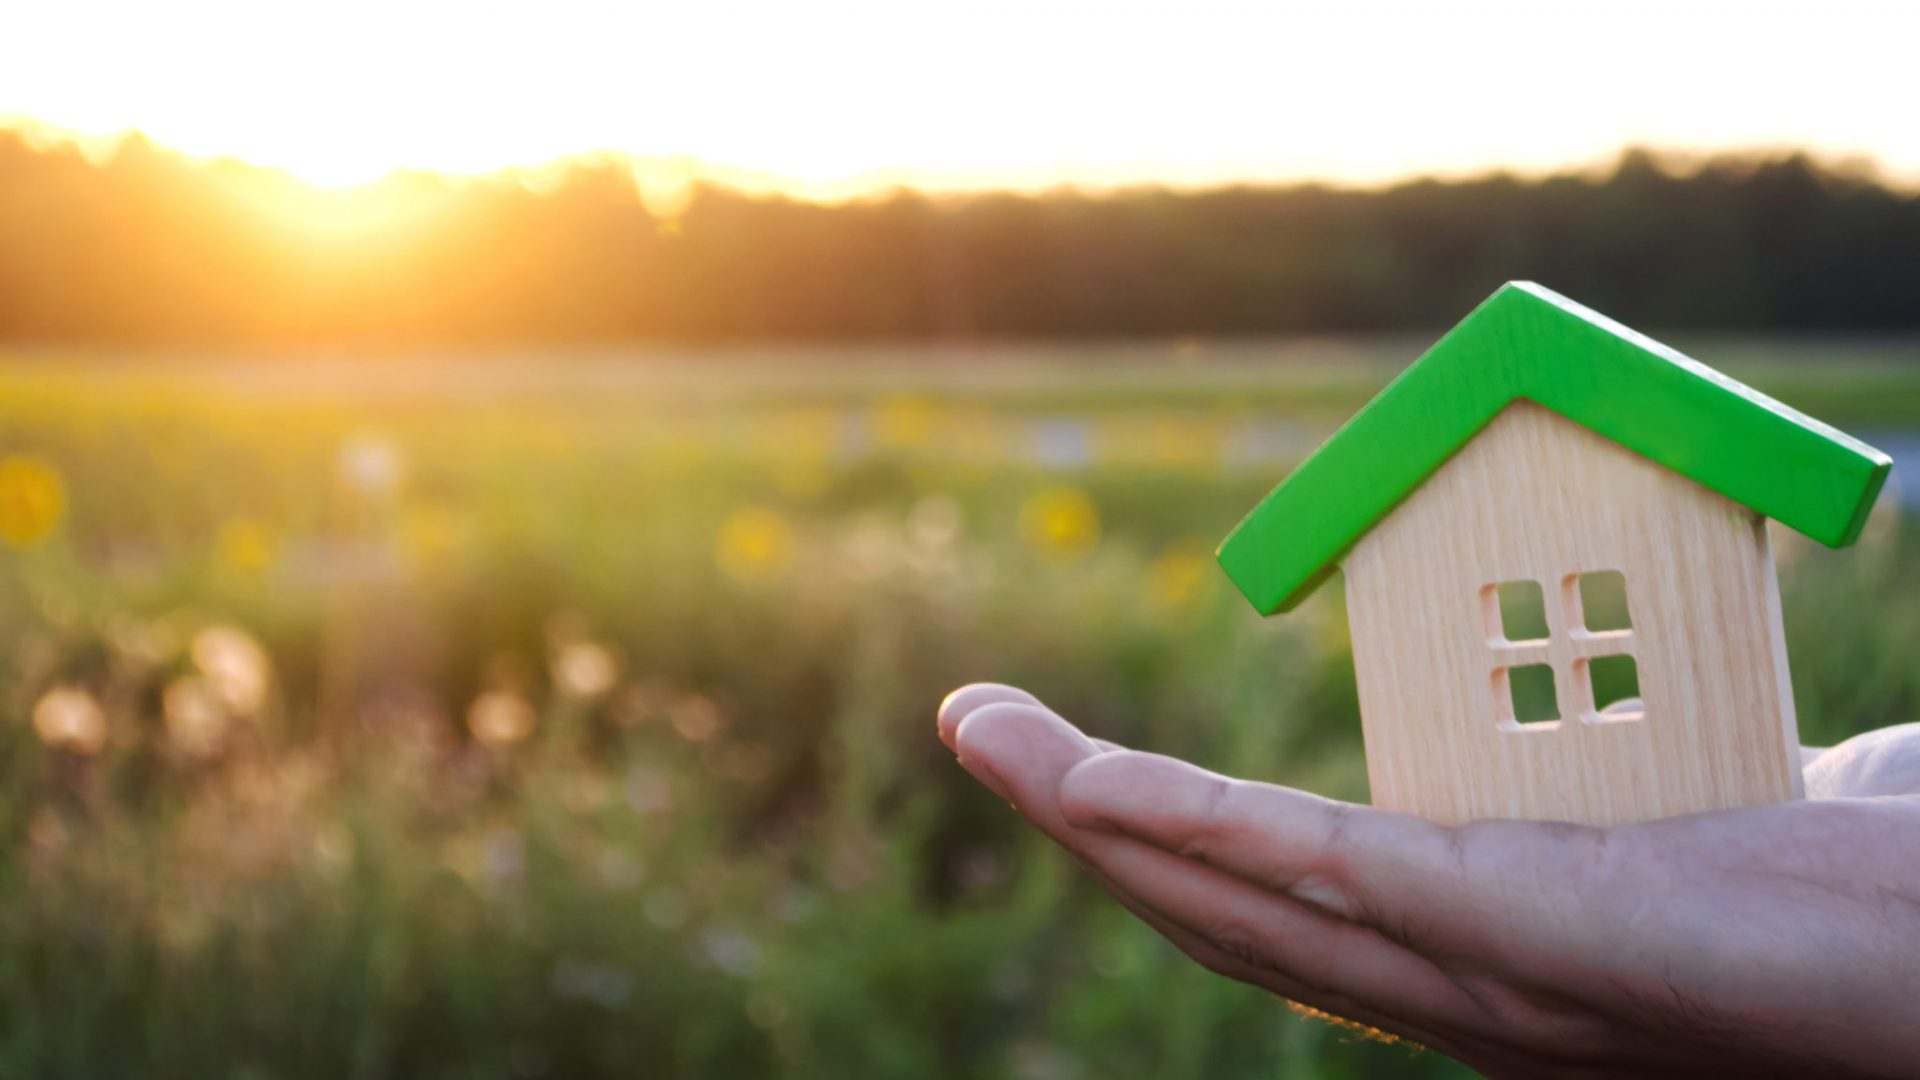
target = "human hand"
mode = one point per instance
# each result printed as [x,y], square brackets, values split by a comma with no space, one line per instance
[1776,940]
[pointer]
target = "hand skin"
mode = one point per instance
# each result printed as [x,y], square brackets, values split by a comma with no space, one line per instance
[1772,941]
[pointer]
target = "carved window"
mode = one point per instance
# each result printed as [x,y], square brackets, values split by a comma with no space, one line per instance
[1574,645]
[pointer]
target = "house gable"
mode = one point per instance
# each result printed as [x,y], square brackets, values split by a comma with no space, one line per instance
[1536,499]
[1527,342]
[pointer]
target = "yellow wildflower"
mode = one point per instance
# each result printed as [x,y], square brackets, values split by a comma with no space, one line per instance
[802,478]
[33,499]
[1180,575]
[754,543]
[1060,521]
[1184,442]
[245,545]
[429,533]
[905,423]
[809,435]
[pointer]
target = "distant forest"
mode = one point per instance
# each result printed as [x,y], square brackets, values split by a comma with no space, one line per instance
[148,247]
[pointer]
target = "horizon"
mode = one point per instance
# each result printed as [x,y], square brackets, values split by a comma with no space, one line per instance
[606,252]
[664,183]
[855,99]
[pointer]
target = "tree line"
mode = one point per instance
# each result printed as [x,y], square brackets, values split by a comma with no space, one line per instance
[147,247]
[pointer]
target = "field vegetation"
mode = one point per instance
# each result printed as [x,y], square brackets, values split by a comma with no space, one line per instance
[499,720]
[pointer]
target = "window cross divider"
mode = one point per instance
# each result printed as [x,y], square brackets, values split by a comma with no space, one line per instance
[1567,650]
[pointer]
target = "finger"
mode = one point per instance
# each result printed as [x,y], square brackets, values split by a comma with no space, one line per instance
[1883,762]
[1022,751]
[965,700]
[1214,959]
[1489,893]
[1025,752]
[1333,963]
[1318,851]
[1298,952]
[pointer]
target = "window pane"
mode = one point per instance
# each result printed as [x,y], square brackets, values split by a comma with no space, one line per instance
[1527,695]
[1522,610]
[1603,601]
[1616,686]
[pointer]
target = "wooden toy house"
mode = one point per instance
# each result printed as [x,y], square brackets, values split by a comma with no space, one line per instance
[1538,451]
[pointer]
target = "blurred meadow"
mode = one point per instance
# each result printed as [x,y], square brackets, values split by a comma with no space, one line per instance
[492,495]
[512,717]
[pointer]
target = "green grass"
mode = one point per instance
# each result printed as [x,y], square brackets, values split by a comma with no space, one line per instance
[745,855]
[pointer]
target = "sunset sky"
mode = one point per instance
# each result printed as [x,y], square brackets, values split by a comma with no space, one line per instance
[831,98]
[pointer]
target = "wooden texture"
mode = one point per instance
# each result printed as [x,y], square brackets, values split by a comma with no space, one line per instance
[1528,343]
[1536,497]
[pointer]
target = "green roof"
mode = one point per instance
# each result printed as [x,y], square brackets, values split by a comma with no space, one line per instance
[1529,342]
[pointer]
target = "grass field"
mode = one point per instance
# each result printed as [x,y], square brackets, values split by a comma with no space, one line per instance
[433,717]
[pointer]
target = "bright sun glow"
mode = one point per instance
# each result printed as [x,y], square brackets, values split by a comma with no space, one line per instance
[837,97]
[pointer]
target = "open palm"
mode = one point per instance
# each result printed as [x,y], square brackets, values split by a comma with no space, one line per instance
[1777,940]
